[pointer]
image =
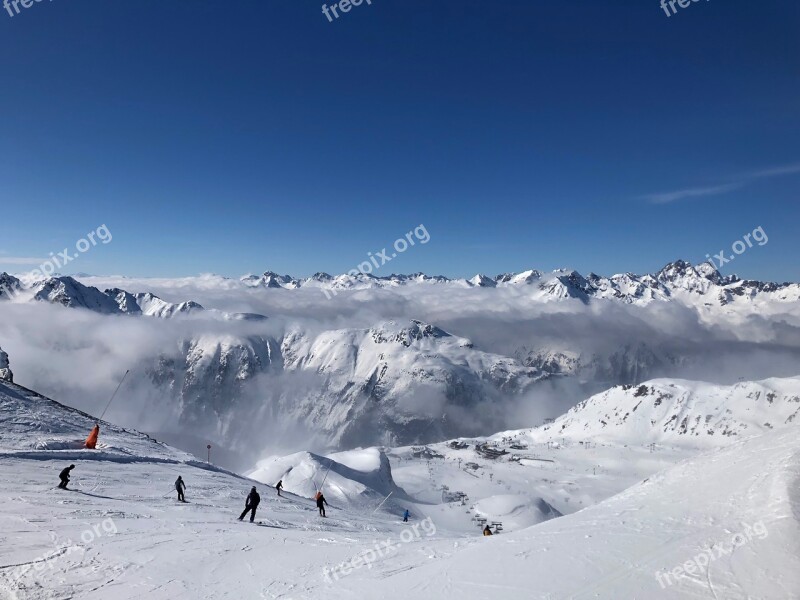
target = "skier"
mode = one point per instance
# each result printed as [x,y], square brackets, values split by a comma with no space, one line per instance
[251,504]
[181,487]
[64,476]
[405,516]
[279,487]
[320,501]
[487,531]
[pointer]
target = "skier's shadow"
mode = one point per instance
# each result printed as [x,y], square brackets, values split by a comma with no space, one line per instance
[270,526]
[93,495]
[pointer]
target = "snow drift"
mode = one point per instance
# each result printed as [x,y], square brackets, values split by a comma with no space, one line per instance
[354,477]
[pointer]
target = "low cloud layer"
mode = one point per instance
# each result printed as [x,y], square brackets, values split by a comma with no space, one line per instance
[78,357]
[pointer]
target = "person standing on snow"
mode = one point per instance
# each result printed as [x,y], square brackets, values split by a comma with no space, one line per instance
[251,504]
[487,531]
[405,516]
[181,487]
[320,502]
[64,477]
[279,487]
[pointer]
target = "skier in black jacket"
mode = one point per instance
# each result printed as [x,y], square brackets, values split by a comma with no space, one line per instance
[181,488]
[64,477]
[251,504]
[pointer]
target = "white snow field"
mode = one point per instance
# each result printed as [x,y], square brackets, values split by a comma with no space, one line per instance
[726,517]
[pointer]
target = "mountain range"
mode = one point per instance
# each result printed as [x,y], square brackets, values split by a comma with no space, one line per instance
[676,280]
[680,280]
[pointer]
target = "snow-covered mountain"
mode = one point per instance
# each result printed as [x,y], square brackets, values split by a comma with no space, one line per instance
[70,293]
[679,280]
[392,383]
[5,368]
[628,363]
[9,286]
[150,305]
[674,411]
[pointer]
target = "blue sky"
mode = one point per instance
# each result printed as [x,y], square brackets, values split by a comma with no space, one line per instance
[248,135]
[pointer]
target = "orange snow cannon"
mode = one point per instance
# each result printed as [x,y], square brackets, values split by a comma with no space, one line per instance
[91,441]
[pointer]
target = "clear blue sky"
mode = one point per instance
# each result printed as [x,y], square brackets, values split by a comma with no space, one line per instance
[245,135]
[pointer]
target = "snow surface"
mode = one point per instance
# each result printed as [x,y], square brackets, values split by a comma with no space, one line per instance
[628,514]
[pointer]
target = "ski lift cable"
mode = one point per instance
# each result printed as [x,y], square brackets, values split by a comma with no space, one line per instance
[114,395]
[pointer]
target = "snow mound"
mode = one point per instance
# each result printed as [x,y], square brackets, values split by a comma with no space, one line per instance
[354,477]
[59,444]
[516,511]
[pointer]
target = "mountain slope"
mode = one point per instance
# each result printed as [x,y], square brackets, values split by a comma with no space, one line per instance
[733,513]
[681,412]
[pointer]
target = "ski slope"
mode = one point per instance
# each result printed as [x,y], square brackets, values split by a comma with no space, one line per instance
[628,513]
[616,548]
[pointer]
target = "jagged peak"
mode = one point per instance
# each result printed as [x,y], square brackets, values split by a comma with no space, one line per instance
[481,280]
[5,368]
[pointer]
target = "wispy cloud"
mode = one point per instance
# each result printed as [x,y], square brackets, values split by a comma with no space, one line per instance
[715,190]
[776,171]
